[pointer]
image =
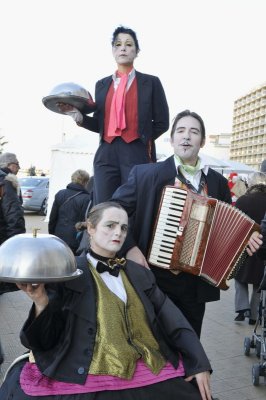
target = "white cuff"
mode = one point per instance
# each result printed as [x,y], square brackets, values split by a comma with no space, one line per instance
[76,115]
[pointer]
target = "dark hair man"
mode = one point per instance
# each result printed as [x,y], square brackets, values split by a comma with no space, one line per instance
[141,195]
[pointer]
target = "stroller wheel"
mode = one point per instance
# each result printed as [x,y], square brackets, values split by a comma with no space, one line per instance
[256,374]
[247,344]
[258,348]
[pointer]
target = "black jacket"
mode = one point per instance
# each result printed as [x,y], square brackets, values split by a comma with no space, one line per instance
[153,112]
[262,250]
[11,212]
[67,211]
[141,195]
[254,205]
[62,337]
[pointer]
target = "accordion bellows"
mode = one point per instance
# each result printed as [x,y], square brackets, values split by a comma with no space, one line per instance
[200,235]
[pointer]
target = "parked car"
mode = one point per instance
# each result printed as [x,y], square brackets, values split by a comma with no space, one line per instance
[34,190]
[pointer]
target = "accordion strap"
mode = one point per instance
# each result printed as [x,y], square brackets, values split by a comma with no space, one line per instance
[186,182]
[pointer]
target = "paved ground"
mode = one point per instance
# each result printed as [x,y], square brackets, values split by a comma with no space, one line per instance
[222,338]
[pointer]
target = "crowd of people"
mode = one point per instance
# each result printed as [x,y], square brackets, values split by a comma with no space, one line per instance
[125,328]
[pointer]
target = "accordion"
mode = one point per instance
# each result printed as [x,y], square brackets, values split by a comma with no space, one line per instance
[200,235]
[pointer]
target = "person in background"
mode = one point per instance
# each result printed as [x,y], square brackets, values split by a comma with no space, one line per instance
[11,212]
[70,206]
[12,220]
[9,164]
[110,334]
[141,195]
[262,249]
[239,189]
[233,176]
[252,203]
[132,112]
[263,166]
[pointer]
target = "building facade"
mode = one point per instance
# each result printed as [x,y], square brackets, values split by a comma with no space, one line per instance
[218,145]
[248,140]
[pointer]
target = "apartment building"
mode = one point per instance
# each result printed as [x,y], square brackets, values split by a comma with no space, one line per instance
[218,145]
[248,140]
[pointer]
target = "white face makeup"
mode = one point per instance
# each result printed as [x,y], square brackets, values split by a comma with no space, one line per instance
[109,234]
[187,140]
[124,50]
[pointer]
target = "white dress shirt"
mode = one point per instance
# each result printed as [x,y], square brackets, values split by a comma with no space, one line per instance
[115,284]
[194,179]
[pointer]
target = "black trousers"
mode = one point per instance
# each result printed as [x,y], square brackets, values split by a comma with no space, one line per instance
[112,164]
[182,290]
[172,389]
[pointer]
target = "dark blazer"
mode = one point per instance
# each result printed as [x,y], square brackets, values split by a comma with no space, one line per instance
[254,205]
[153,112]
[63,335]
[141,195]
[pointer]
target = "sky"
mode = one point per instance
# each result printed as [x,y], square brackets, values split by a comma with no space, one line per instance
[207,53]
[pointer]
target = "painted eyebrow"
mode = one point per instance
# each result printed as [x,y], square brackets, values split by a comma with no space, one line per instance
[192,129]
[195,129]
[128,41]
[114,222]
[123,226]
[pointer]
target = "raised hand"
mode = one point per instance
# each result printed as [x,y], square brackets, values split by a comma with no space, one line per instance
[37,293]
[71,111]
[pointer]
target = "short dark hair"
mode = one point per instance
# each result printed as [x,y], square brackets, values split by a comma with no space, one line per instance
[188,113]
[123,29]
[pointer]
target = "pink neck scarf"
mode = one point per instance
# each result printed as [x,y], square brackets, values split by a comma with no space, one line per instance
[117,120]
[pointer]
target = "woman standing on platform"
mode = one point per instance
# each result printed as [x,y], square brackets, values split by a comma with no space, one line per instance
[132,112]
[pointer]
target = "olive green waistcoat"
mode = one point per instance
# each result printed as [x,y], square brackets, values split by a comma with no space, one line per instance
[123,334]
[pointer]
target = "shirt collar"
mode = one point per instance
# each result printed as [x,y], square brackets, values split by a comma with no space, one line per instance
[92,260]
[203,166]
[131,77]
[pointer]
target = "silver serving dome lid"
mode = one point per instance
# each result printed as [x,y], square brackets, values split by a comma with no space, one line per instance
[36,258]
[70,93]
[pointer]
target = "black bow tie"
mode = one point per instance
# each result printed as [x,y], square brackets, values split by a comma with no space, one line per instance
[113,267]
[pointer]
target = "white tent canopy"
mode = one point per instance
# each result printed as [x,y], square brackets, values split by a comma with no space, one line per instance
[68,156]
[235,166]
[212,161]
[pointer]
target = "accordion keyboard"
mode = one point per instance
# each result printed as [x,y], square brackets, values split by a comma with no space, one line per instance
[168,228]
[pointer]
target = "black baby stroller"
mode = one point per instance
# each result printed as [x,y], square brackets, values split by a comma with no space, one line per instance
[258,339]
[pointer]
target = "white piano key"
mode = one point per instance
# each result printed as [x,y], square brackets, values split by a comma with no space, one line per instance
[160,238]
[161,256]
[171,213]
[160,247]
[158,263]
[165,218]
[167,227]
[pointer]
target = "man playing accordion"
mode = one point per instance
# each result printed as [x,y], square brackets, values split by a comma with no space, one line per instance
[141,196]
